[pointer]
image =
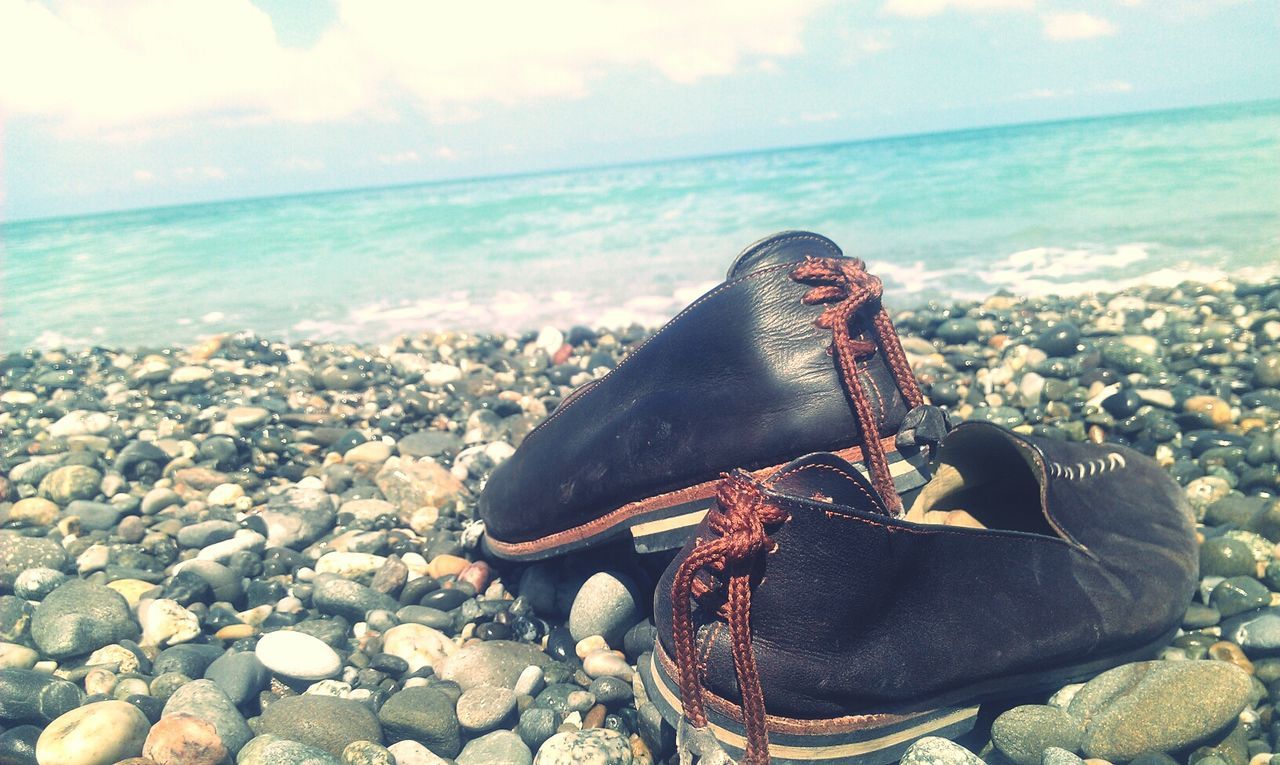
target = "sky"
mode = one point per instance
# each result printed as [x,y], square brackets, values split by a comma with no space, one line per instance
[117,104]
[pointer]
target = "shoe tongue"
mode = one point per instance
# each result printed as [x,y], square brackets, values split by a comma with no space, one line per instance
[827,478]
[783,247]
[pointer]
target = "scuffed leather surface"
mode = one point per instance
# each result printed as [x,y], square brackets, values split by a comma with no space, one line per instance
[741,378]
[859,613]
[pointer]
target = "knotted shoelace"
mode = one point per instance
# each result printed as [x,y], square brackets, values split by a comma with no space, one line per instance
[742,511]
[845,284]
[739,520]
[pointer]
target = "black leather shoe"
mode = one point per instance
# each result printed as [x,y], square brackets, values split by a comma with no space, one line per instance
[791,354]
[807,622]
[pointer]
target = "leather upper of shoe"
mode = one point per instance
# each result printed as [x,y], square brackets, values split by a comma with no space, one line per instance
[740,378]
[1088,550]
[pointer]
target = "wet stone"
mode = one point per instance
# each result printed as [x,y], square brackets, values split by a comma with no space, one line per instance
[1239,594]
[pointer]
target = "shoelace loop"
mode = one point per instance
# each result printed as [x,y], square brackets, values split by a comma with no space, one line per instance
[740,520]
[845,285]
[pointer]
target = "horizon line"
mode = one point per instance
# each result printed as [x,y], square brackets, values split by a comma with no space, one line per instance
[662,160]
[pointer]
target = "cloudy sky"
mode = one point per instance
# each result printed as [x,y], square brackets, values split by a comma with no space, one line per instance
[109,104]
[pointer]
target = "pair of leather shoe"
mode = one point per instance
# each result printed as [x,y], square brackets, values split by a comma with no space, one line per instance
[852,576]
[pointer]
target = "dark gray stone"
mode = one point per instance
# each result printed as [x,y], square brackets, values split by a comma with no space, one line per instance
[424,714]
[79,617]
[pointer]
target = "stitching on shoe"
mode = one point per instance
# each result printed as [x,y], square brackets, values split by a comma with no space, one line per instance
[708,642]
[822,241]
[856,483]
[1088,469]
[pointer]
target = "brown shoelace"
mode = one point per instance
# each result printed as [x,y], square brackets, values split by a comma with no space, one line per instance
[845,284]
[740,520]
[743,511]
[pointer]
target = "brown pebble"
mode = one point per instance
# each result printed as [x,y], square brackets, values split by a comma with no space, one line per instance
[205,349]
[1224,650]
[1261,758]
[562,354]
[640,754]
[476,575]
[236,632]
[137,761]
[1217,410]
[594,717]
[183,739]
[1096,434]
[131,529]
[445,565]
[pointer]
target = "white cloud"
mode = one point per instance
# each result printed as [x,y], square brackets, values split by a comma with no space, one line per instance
[98,67]
[923,8]
[445,153]
[143,176]
[1076,25]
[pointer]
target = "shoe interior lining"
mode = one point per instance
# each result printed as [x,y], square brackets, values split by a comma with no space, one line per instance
[983,482]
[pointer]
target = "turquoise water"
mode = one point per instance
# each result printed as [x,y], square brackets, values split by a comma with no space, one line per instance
[1049,208]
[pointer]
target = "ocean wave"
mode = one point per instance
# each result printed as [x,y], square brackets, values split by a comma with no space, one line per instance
[1049,271]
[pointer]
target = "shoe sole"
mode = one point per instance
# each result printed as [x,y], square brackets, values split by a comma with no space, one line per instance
[665,521]
[871,739]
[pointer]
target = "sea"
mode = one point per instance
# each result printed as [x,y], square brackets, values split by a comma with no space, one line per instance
[1051,208]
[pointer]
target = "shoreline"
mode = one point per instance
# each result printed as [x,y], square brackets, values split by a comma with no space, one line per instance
[387,323]
[277,540]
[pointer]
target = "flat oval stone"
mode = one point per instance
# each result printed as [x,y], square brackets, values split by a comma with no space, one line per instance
[1158,706]
[101,733]
[297,655]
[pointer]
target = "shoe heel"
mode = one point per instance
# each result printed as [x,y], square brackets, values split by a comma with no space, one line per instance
[670,532]
[854,740]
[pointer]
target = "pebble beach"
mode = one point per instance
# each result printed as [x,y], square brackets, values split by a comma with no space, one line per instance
[246,551]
